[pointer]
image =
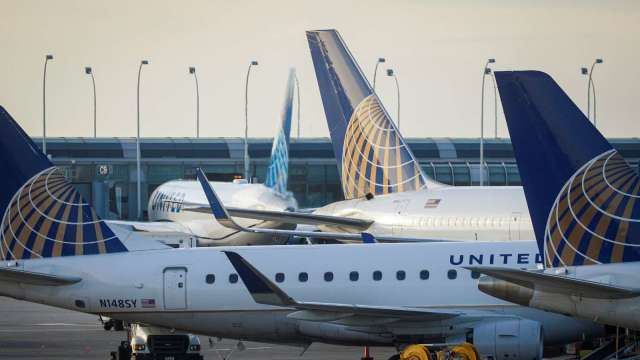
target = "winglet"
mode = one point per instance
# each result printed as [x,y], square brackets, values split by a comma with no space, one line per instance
[215,204]
[368,238]
[260,287]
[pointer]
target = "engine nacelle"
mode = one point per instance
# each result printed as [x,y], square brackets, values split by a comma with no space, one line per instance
[512,339]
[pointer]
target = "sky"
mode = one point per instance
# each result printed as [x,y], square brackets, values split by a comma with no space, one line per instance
[437,49]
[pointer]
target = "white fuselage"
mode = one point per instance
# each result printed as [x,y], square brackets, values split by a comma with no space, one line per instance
[124,285]
[172,201]
[464,213]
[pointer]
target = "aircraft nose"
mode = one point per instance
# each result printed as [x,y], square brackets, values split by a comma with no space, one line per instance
[505,290]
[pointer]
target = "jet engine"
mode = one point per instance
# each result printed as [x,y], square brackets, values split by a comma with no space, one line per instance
[509,339]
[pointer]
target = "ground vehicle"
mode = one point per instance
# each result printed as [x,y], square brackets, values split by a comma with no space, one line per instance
[150,342]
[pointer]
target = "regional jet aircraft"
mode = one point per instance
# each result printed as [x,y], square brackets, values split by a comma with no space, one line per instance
[583,200]
[55,250]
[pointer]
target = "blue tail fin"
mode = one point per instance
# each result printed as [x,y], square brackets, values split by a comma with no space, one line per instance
[278,170]
[42,214]
[372,155]
[582,195]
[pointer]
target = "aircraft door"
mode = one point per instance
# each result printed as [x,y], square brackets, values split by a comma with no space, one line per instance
[175,288]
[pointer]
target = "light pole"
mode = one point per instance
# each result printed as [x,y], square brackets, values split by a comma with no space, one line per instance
[591,85]
[89,71]
[246,121]
[44,103]
[298,94]
[138,180]
[192,70]
[486,71]
[395,77]
[375,71]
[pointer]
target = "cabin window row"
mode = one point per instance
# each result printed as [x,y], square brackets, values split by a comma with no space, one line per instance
[353,276]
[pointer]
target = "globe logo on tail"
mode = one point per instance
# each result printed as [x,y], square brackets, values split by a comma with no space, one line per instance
[595,217]
[47,217]
[375,158]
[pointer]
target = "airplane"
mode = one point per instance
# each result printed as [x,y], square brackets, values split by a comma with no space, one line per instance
[55,250]
[178,209]
[382,180]
[582,195]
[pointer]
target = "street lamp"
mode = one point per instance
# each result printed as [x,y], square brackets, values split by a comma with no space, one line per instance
[44,103]
[591,86]
[89,71]
[298,94]
[375,72]
[192,70]
[138,180]
[486,71]
[246,121]
[393,75]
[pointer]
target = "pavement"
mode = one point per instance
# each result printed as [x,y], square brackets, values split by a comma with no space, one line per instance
[34,331]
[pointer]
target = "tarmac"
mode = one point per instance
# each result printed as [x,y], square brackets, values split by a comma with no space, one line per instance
[34,331]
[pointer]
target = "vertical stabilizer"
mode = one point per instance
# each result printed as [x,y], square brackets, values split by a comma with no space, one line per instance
[372,155]
[278,170]
[582,195]
[42,214]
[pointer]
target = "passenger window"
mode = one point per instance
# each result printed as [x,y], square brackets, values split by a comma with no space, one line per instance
[328,276]
[377,275]
[233,278]
[279,277]
[452,274]
[353,276]
[401,275]
[303,277]
[210,278]
[475,274]
[424,274]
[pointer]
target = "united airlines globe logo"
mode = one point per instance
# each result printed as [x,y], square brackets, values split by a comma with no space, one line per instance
[375,159]
[595,217]
[47,217]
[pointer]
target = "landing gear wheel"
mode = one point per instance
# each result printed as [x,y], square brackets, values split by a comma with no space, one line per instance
[415,352]
[118,325]
[465,351]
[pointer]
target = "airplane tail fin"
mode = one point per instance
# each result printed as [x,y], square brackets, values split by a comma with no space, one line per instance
[582,195]
[371,153]
[278,170]
[42,214]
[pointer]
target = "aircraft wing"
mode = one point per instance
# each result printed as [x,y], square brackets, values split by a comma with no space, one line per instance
[291,217]
[264,291]
[560,284]
[35,278]
[219,211]
[152,226]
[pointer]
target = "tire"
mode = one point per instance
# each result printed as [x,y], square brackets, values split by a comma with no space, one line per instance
[118,325]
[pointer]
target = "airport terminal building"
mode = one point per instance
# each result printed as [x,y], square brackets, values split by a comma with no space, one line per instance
[104,169]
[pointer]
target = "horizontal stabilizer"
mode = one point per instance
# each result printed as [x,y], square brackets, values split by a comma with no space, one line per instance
[559,284]
[288,217]
[34,278]
[264,291]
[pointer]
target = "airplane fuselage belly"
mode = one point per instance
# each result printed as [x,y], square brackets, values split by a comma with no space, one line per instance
[450,213]
[174,288]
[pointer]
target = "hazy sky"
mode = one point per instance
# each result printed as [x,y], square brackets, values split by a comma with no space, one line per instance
[437,48]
